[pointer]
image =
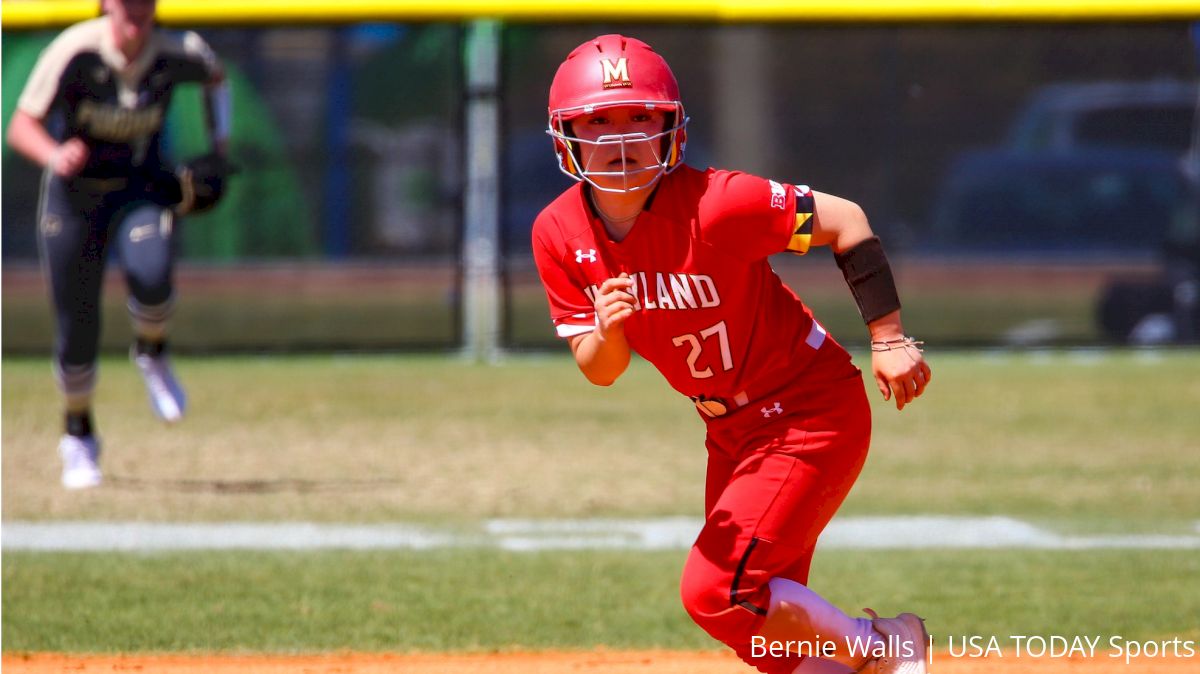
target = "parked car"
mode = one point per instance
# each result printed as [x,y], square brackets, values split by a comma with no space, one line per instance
[1087,169]
[1108,170]
[1091,202]
[1156,114]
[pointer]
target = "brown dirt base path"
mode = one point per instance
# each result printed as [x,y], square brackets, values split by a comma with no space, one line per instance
[592,662]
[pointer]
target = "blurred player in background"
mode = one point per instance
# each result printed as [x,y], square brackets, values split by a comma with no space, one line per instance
[92,114]
[647,254]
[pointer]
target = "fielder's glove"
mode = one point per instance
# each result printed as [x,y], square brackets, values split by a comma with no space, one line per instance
[202,182]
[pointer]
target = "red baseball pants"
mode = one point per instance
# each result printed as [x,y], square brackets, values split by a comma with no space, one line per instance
[774,482]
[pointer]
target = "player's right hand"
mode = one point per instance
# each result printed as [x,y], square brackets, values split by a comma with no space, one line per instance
[70,158]
[614,304]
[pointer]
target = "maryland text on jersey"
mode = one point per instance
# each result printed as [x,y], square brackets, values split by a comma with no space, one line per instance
[662,290]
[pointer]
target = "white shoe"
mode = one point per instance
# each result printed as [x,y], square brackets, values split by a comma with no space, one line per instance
[907,643]
[80,457]
[167,398]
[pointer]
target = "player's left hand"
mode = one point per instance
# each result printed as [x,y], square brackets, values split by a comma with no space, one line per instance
[900,372]
[202,182]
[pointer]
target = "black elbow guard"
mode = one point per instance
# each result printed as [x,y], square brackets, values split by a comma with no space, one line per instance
[869,276]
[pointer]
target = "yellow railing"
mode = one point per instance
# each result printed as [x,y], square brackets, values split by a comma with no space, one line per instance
[33,14]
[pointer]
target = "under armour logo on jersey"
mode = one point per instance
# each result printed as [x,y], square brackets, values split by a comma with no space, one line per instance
[769,412]
[580,256]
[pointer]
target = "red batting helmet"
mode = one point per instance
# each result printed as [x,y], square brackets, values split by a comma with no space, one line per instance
[615,71]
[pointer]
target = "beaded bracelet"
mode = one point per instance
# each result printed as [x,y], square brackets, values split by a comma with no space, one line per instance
[901,343]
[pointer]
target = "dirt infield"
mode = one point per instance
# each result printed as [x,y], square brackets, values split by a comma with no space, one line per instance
[593,662]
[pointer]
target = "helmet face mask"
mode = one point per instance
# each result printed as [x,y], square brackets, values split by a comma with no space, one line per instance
[613,71]
[665,147]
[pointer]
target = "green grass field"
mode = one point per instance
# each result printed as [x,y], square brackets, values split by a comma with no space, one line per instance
[483,600]
[1078,442]
[1098,440]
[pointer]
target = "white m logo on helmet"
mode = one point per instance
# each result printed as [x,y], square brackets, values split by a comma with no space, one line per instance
[616,74]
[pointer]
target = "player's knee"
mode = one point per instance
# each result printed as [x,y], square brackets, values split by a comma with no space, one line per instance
[734,624]
[708,601]
[699,595]
[146,253]
[149,279]
[150,290]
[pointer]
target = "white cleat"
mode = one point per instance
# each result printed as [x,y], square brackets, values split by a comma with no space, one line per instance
[907,644]
[80,456]
[167,398]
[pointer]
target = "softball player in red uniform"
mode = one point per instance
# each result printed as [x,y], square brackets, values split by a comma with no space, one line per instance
[647,254]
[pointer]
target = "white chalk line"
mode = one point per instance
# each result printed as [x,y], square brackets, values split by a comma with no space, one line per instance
[668,533]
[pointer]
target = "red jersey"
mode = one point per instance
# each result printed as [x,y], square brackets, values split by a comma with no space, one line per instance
[710,312]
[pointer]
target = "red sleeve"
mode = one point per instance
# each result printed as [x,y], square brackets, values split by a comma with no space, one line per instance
[753,217]
[572,311]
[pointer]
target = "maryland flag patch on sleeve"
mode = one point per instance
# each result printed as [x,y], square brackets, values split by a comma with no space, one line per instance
[802,234]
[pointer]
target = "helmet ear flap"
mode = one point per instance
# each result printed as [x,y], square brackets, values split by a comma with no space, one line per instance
[675,141]
[678,146]
[567,159]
